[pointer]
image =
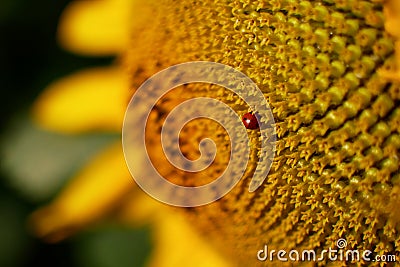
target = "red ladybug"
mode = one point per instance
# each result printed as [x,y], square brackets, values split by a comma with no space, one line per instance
[250,121]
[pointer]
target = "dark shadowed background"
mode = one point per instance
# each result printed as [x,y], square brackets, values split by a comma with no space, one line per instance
[30,59]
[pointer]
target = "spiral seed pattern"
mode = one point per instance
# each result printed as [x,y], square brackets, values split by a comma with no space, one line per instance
[319,64]
[145,99]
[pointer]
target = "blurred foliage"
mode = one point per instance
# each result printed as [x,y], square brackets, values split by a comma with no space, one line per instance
[112,246]
[39,162]
[30,59]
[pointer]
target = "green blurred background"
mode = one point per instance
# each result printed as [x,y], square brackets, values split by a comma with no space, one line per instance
[30,173]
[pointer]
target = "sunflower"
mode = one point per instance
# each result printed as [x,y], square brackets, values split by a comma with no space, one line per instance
[94,100]
[330,72]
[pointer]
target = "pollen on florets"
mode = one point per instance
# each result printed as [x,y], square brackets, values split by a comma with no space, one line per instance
[321,66]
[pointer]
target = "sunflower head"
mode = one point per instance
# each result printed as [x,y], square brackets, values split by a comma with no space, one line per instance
[329,71]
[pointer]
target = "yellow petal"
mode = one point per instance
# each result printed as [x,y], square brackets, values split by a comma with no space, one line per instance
[93,99]
[391,12]
[89,196]
[176,243]
[96,27]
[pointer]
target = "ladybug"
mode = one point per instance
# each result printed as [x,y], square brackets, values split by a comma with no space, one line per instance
[250,121]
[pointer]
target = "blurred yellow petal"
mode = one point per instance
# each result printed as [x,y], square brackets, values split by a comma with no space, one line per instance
[93,99]
[176,243]
[99,27]
[391,12]
[95,190]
